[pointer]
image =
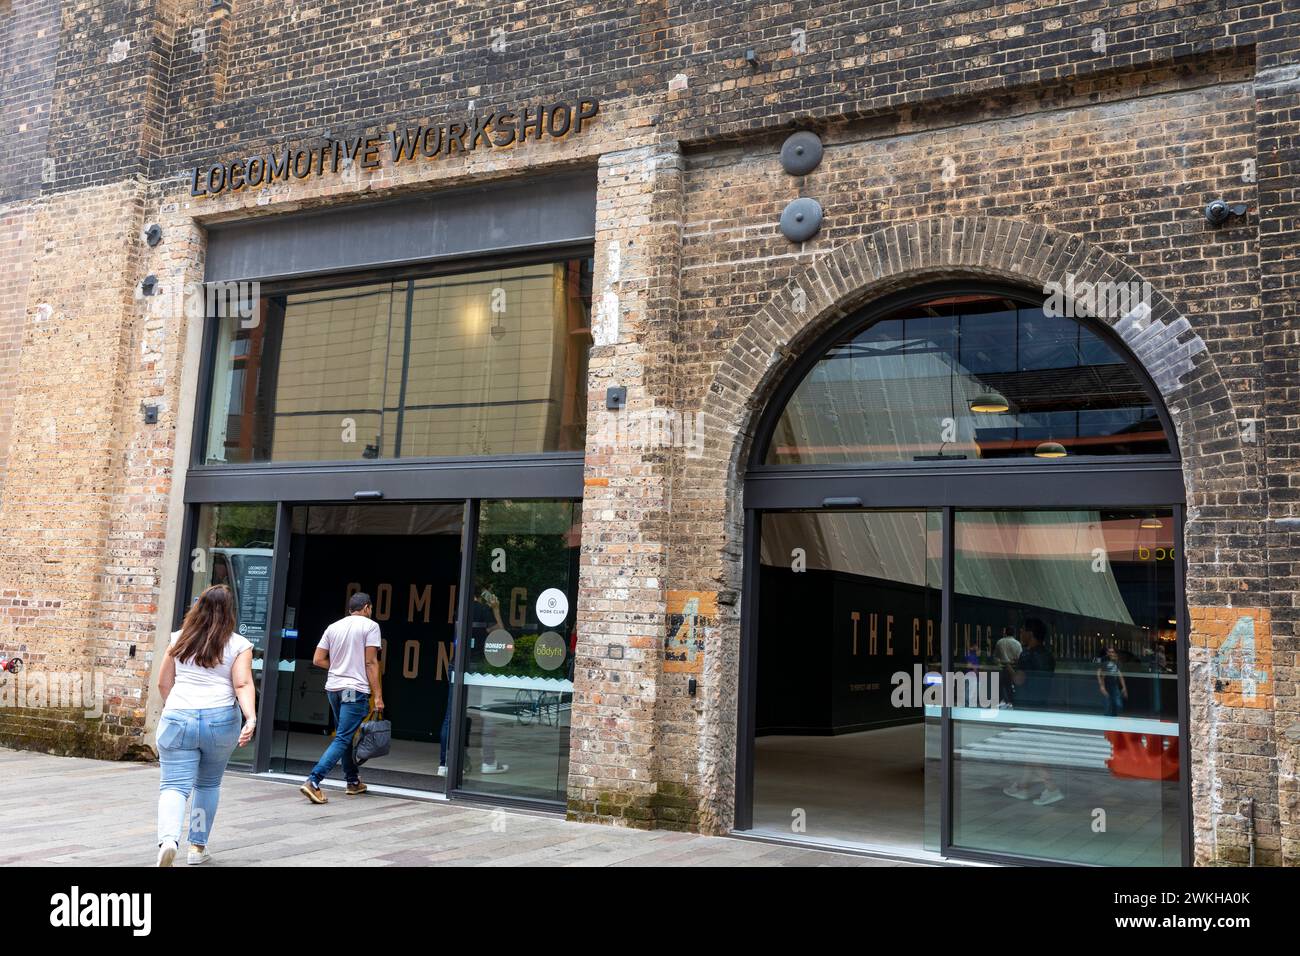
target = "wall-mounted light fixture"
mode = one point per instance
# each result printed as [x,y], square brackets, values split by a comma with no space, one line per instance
[801,153]
[801,219]
[1219,212]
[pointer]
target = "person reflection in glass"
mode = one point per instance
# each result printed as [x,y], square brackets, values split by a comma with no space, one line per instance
[1007,652]
[1157,665]
[485,617]
[1111,681]
[1035,672]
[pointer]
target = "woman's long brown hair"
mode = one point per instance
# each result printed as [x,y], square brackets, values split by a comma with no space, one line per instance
[207,627]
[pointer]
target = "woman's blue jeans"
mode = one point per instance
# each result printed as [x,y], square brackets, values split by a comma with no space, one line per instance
[194,747]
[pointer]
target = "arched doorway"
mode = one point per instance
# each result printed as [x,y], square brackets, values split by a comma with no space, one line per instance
[963,609]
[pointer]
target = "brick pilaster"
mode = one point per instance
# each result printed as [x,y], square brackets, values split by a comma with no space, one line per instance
[621,596]
[1277,118]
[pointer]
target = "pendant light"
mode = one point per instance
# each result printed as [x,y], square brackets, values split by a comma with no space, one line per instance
[1050,449]
[1152,523]
[989,402]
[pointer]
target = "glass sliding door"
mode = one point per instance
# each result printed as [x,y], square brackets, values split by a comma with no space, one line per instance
[407,558]
[233,545]
[848,629]
[518,681]
[1073,612]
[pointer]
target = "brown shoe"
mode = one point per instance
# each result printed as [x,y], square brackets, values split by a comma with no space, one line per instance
[355,788]
[313,793]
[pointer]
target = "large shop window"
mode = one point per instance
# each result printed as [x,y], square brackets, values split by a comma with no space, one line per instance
[967,377]
[484,363]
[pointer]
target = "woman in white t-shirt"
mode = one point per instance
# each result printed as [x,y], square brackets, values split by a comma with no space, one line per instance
[206,681]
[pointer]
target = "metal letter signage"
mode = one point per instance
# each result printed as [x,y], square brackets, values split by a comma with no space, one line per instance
[498,129]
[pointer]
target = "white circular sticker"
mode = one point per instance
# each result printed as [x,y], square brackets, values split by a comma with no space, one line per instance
[552,607]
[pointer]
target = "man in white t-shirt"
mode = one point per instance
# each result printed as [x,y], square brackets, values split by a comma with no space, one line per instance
[349,649]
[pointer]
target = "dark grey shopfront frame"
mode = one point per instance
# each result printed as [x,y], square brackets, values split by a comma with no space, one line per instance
[542,220]
[1137,481]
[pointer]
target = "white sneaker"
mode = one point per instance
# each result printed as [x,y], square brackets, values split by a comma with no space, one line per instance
[1049,797]
[494,768]
[1015,790]
[195,857]
[442,770]
[167,853]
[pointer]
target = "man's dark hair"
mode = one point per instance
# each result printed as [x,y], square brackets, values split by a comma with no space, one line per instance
[358,601]
[1036,627]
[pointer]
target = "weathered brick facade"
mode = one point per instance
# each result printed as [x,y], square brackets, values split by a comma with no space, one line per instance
[1018,141]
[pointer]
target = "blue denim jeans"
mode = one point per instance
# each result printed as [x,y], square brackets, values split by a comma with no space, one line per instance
[349,708]
[445,732]
[194,747]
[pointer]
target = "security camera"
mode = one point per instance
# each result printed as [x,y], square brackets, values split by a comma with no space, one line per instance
[1219,212]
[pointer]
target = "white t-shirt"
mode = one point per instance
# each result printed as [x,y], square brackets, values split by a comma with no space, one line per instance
[346,641]
[198,687]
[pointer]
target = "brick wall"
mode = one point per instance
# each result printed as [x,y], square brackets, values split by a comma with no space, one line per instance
[29,43]
[1010,129]
[15,255]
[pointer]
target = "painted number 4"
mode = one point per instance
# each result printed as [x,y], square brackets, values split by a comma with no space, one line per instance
[1235,660]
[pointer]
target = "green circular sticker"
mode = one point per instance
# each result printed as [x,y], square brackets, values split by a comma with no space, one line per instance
[499,648]
[549,651]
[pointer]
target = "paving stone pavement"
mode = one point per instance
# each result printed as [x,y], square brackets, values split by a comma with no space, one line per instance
[66,811]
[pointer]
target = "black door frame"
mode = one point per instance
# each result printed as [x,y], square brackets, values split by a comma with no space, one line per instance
[1132,482]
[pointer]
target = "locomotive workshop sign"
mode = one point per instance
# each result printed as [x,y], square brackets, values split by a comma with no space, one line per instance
[498,129]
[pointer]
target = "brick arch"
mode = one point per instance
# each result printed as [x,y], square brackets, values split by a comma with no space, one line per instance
[891,258]
[906,254]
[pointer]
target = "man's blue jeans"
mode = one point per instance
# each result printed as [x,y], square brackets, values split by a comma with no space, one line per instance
[350,708]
